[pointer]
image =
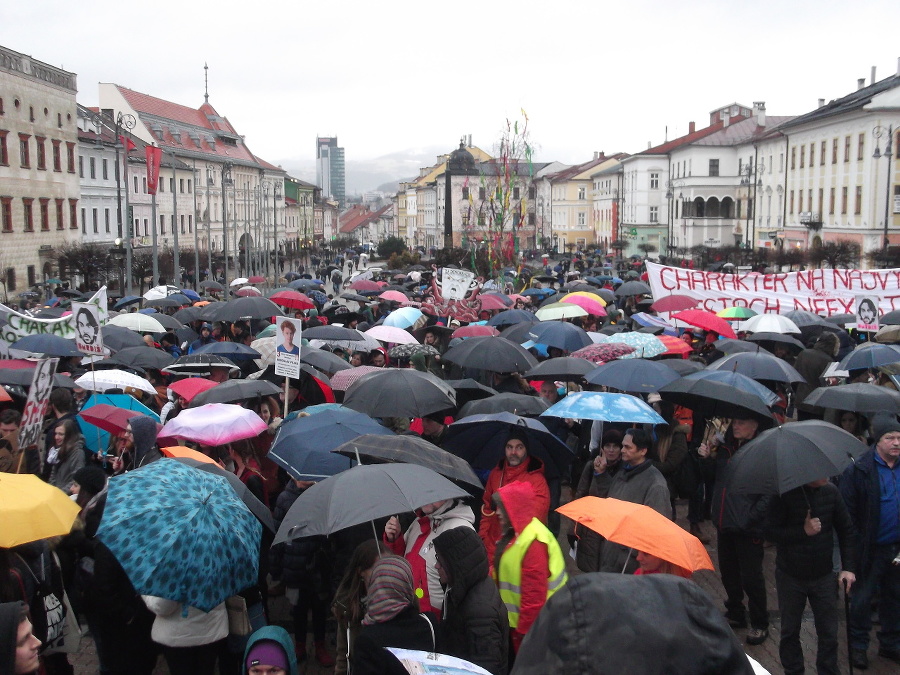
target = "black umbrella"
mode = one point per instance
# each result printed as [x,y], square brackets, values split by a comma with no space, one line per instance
[613,329]
[870,355]
[682,366]
[633,375]
[235,390]
[560,334]
[235,351]
[857,397]
[517,404]
[633,288]
[163,302]
[509,317]
[48,344]
[377,490]
[394,392]
[841,319]
[333,333]
[355,297]
[208,312]
[24,376]
[187,314]
[118,338]
[470,390]
[257,508]
[212,286]
[252,307]
[759,367]
[792,455]
[199,364]
[714,398]
[325,361]
[769,339]
[375,449]
[732,346]
[491,353]
[518,333]
[802,318]
[142,357]
[563,368]
[167,322]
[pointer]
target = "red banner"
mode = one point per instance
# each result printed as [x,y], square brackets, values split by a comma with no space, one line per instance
[154,157]
[615,220]
[127,143]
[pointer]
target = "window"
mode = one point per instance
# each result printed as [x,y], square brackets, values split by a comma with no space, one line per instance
[846,148]
[654,181]
[857,201]
[83,221]
[106,219]
[792,203]
[822,151]
[812,155]
[144,183]
[171,184]
[10,279]
[582,193]
[531,218]
[190,220]
[162,184]
[162,224]
[94,221]
[57,155]
[4,152]
[481,193]
[73,214]
[843,200]
[465,193]
[28,217]
[59,214]
[105,169]
[809,203]
[654,214]
[182,224]
[802,156]
[582,218]
[41,153]
[45,215]
[190,186]
[32,277]
[800,201]
[80,166]
[713,167]
[70,157]
[181,185]
[531,192]
[6,213]
[146,228]
[135,184]
[93,165]
[172,223]
[834,143]
[793,158]
[516,193]
[821,201]
[831,201]
[24,156]
[860,147]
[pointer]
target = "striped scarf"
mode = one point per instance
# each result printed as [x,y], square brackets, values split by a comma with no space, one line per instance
[390,590]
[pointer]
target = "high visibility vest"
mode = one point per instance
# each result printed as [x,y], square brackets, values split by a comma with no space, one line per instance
[510,573]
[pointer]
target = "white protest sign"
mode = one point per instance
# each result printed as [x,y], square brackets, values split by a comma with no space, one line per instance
[867,313]
[88,335]
[455,283]
[36,405]
[287,351]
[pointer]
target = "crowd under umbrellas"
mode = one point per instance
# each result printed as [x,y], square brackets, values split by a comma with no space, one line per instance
[377,372]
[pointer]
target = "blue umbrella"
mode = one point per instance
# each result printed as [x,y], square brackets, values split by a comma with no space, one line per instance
[303,445]
[403,317]
[191,295]
[314,410]
[290,276]
[481,441]
[560,334]
[46,343]
[181,534]
[317,296]
[235,351]
[127,300]
[635,375]
[95,439]
[646,346]
[870,355]
[645,319]
[539,291]
[608,407]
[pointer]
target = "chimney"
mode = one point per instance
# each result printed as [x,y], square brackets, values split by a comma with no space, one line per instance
[873,76]
[759,109]
[692,127]
[860,83]
[821,102]
[470,141]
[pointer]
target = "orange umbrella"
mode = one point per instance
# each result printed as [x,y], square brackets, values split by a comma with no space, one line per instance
[674,345]
[641,528]
[4,395]
[181,451]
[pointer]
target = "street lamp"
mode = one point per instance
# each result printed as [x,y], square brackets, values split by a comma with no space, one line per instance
[879,132]
[671,186]
[275,195]
[750,179]
[210,180]
[226,180]
[123,122]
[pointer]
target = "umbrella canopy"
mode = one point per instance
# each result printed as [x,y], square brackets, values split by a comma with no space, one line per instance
[765,337]
[641,528]
[140,323]
[235,390]
[101,380]
[108,417]
[474,330]
[792,455]
[292,299]
[212,286]
[481,441]
[870,355]
[559,310]
[609,407]
[97,439]
[214,424]
[32,509]
[707,321]
[645,345]
[239,281]
[386,333]
[635,375]
[633,288]
[859,397]
[517,404]
[342,380]
[365,285]
[718,393]
[378,490]
[736,313]
[650,321]
[469,390]
[590,303]
[165,302]
[181,534]
[491,353]
[47,344]
[682,366]
[511,317]
[406,351]
[802,319]
[142,357]
[333,333]
[492,301]
[247,308]
[378,448]
[235,351]
[565,368]
[396,296]
[674,303]
[183,452]
[160,292]
[770,323]
[126,301]
[732,346]
[393,392]
[248,292]
[603,352]
[118,338]
[199,364]
[191,387]
[559,334]
[403,317]
[303,445]
[327,362]
[759,367]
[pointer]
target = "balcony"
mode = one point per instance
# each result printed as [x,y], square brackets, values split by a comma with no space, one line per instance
[811,221]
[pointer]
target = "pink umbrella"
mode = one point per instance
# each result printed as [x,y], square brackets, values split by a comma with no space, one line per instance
[257,280]
[396,296]
[248,291]
[589,305]
[214,424]
[477,330]
[391,334]
[603,352]
[707,321]
[674,303]
[490,301]
[342,379]
[364,285]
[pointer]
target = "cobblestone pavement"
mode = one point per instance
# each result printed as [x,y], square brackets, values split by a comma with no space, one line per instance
[85,661]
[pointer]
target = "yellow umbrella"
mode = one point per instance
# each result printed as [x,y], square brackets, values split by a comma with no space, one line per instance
[589,296]
[31,509]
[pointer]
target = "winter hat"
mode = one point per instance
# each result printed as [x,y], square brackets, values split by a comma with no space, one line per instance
[91,479]
[519,433]
[267,653]
[883,423]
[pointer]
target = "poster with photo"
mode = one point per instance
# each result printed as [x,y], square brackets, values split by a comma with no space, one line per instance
[867,313]
[287,347]
[88,334]
[36,405]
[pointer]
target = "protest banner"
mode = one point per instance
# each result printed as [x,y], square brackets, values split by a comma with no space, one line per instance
[36,405]
[455,283]
[287,351]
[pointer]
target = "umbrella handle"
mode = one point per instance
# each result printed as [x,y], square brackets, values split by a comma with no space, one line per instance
[627,559]
[847,624]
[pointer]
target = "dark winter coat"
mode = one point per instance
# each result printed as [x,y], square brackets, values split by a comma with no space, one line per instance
[143,431]
[739,513]
[408,630]
[810,557]
[590,543]
[861,491]
[301,563]
[475,625]
[811,363]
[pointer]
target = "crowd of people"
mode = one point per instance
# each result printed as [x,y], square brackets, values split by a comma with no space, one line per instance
[485,578]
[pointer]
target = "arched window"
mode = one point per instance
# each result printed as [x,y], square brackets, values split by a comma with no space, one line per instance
[726,208]
[712,208]
[699,208]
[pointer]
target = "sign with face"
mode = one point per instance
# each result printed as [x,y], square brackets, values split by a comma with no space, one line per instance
[456,284]
[36,405]
[88,335]
[287,350]
[867,313]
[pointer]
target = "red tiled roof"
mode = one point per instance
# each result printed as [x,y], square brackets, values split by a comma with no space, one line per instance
[359,215]
[683,140]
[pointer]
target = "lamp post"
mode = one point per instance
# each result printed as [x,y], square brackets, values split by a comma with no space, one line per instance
[276,193]
[226,180]
[209,263]
[123,122]
[671,186]
[750,179]
[196,235]
[880,132]
[117,253]
[266,185]
[543,234]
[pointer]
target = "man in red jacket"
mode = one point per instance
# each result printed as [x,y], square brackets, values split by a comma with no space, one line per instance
[517,465]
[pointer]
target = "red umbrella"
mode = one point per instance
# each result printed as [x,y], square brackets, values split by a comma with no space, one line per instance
[674,303]
[396,296]
[248,291]
[674,345]
[476,330]
[257,280]
[490,301]
[191,386]
[292,299]
[707,321]
[364,285]
[109,417]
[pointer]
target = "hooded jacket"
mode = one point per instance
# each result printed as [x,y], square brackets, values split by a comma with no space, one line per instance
[276,634]
[811,363]
[474,625]
[143,431]
[302,563]
[9,631]
[662,625]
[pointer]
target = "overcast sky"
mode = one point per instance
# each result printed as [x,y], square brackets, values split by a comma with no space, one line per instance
[392,76]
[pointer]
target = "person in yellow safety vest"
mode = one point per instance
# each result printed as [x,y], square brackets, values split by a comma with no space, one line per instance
[529,566]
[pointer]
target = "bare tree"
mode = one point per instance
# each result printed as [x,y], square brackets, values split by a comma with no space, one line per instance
[841,253]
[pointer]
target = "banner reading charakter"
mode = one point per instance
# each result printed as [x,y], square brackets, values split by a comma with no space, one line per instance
[821,291]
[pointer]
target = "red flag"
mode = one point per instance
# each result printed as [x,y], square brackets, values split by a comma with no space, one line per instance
[615,219]
[154,156]
[128,143]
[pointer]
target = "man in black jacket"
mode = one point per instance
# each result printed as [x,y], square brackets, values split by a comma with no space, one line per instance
[802,522]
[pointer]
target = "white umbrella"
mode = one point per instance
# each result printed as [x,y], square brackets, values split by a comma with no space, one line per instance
[101,380]
[214,424]
[142,323]
[266,348]
[770,323]
[240,281]
[391,334]
[158,292]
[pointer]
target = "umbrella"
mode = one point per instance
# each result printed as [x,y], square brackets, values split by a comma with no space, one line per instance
[559,310]
[101,380]
[257,508]
[590,303]
[235,390]
[674,303]
[380,448]
[396,392]
[169,301]
[403,317]
[355,297]
[47,344]
[517,404]
[492,301]
[481,441]
[303,445]
[327,362]
[736,313]
[306,285]
[603,352]
[469,390]
[718,393]
[792,455]
[168,322]
[212,286]
[648,320]
[475,330]
[140,323]
[510,317]
[190,387]
[180,451]
[97,440]
[635,375]
[378,490]
[117,338]
[641,528]
[333,333]
[33,510]
[248,292]
[342,380]
[386,333]
[858,397]
[802,319]
[127,300]
[239,281]
[142,357]
[109,417]
[645,345]
[181,534]
[406,351]
[518,333]
[888,334]
[559,334]
[780,338]
[770,323]
[682,366]
[235,351]
[395,296]
[160,292]
[365,285]
[257,280]
[214,424]
[292,299]
[565,368]
[633,288]
[674,345]
[490,353]
[609,407]
[759,366]
[870,355]
[247,308]
[732,346]
[707,321]
[199,364]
